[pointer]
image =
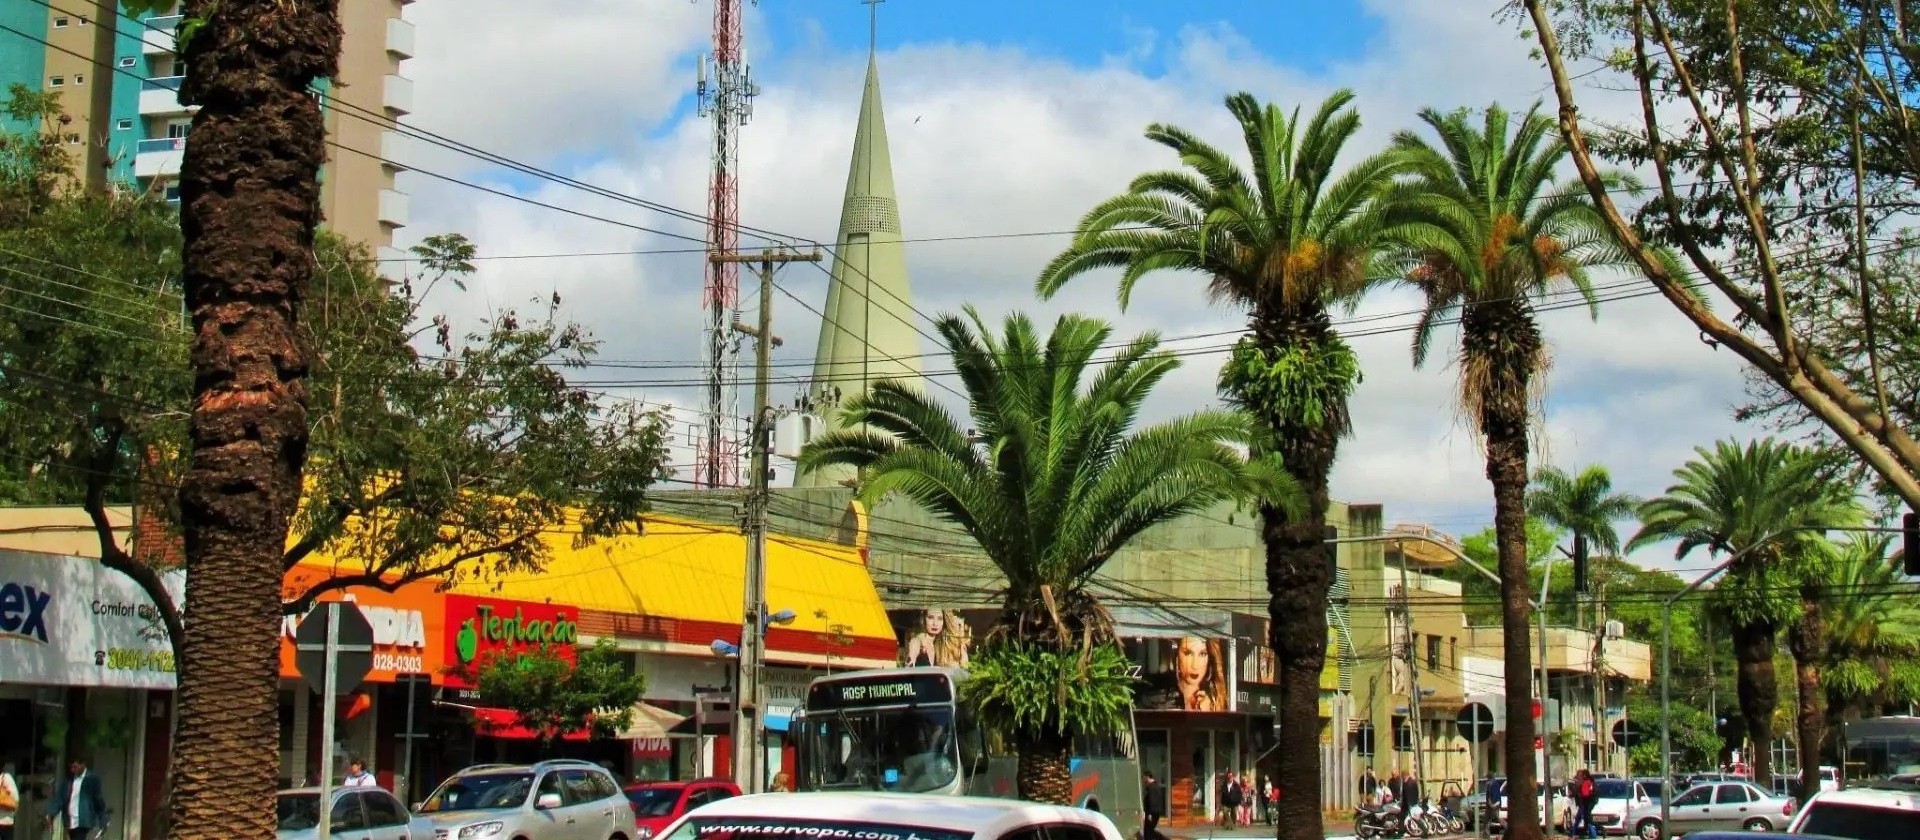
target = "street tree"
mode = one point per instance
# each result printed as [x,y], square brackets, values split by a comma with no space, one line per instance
[1781,137]
[590,690]
[1761,504]
[1484,233]
[1586,506]
[1288,241]
[1051,477]
[1871,659]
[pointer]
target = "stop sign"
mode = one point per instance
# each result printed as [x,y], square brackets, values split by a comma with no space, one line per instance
[1536,710]
[352,646]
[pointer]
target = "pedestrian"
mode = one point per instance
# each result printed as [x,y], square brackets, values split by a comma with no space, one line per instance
[9,800]
[357,775]
[1269,799]
[1231,797]
[1248,793]
[79,802]
[1585,795]
[782,783]
[1369,784]
[1153,801]
[1409,792]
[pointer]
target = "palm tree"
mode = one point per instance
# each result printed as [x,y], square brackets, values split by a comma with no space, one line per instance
[1483,233]
[1762,504]
[1287,241]
[1872,632]
[1584,505]
[1054,482]
[249,203]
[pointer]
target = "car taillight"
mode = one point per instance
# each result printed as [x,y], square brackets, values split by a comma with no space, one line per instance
[1787,810]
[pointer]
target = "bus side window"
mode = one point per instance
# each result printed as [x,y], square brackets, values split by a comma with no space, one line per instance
[972,742]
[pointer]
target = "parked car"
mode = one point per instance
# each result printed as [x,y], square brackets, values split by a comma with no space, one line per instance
[1869,813]
[1724,806]
[1615,798]
[1562,807]
[886,816]
[656,804]
[358,814]
[1655,787]
[563,799]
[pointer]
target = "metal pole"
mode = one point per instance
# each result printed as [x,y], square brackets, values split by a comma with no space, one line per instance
[406,759]
[1546,751]
[1473,772]
[327,704]
[1413,672]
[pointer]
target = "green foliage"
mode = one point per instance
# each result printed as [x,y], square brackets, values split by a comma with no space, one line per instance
[1308,385]
[1483,595]
[1692,730]
[31,163]
[1058,479]
[554,696]
[1582,504]
[1014,686]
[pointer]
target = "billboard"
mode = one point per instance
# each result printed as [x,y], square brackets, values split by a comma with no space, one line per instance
[934,636]
[69,621]
[407,624]
[1188,674]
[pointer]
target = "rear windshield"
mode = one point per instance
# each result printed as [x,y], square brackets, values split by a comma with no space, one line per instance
[1857,822]
[764,828]
[654,801]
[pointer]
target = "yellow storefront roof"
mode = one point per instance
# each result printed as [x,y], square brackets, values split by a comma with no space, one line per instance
[695,571]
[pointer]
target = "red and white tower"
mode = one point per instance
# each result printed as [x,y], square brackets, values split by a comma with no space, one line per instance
[729,101]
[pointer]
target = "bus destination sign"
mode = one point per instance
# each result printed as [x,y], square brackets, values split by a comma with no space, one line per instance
[880,691]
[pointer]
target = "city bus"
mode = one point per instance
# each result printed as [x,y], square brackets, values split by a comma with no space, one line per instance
[903,730]
[1882,747]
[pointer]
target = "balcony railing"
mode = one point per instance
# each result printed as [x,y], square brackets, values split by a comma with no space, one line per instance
[167,24]
[171,83]
[161,144]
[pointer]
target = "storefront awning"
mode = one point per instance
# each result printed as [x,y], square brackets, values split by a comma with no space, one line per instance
[649,722]
[682,581]
[505,723]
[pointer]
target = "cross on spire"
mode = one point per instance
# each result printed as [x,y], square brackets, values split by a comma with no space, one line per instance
[873,23]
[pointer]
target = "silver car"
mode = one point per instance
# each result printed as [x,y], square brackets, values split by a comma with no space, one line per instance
[1715,806]
[359,813]
[564,799]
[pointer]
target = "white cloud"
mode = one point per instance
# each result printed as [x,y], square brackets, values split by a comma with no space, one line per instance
[989,139]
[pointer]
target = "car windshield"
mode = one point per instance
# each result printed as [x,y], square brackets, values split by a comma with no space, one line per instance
[299,811]
[906,750]
[654,801]
[1612,789]
[1654,789]
[1858,822]
[480,792]
[764,828]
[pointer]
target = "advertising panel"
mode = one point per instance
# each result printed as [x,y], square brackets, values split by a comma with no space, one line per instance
[407,624]
[70,621]
[479,628]
[1187,674]
[936,636]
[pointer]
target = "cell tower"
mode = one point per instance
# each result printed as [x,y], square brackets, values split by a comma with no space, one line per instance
[729,101]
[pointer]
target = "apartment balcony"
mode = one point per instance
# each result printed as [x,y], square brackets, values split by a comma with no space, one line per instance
[1571,651]
[396,93]
[160,97]
[157,38]
[393,150]
[159,158]
[393,208]
[400,38]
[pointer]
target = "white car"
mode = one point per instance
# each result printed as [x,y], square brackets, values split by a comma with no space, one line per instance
[1861,814]
[867,815]
[1614,799]
[1562,807]
[359,813]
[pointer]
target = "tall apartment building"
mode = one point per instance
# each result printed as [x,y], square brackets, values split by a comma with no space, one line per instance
[118,78]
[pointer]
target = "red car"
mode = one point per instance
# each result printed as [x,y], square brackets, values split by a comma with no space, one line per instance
[657,804]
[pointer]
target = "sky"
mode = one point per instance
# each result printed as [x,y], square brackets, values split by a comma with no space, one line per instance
[1010,120]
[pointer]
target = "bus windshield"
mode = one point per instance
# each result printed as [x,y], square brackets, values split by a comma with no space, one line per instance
[902,749]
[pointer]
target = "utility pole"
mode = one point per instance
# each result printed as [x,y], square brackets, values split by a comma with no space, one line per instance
[1413,673]
[748,757]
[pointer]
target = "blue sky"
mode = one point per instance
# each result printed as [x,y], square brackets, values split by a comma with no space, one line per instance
[1308,35]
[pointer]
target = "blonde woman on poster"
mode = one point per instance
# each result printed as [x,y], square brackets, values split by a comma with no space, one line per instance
[942,640]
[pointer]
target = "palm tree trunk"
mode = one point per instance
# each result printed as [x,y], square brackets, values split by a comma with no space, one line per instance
[1501,347]
[1299,577]
[1759,690]
[249,205]
[1045,767]
[1807,642]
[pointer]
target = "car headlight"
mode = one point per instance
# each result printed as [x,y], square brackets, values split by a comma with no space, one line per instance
[485,829]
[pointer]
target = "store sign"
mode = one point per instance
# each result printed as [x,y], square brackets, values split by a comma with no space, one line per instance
[483,627]
[407,624]
[70,621]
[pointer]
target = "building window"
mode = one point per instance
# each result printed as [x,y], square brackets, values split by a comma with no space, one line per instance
[79,78]
[56,81]
[73,139]
[1363,739]
[178,129]
[1453,653]
[1433,653]
[1402,734]
[124,125]
[126,61]
[60,23]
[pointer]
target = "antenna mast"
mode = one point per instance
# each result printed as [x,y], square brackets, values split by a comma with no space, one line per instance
[729,101]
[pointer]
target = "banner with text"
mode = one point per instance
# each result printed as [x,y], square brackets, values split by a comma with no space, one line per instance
[70,621]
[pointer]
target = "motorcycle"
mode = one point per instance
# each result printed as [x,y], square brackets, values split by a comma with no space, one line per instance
[1385,821]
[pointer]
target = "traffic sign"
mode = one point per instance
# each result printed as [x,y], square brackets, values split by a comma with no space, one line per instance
[1536,710]
[352,647]
[1475,721]
[1627,733]
[1539,742]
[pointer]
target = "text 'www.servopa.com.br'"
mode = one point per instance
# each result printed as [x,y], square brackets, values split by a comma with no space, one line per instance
[816,832]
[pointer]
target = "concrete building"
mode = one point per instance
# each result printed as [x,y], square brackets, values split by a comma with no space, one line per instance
[868,333]
[118,78]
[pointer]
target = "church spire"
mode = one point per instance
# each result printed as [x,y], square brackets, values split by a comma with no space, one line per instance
[868,333]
